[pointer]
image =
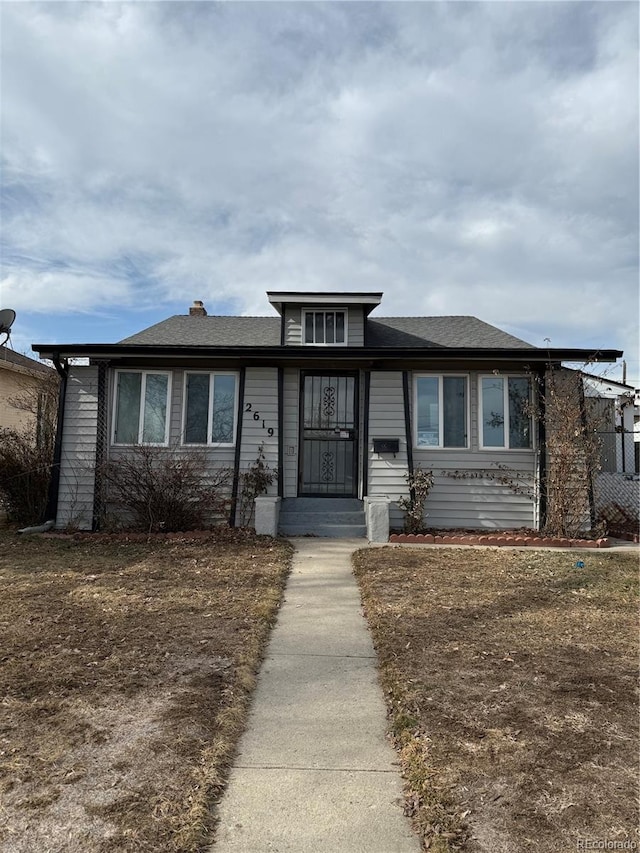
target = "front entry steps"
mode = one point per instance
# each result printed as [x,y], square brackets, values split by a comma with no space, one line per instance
[336,518]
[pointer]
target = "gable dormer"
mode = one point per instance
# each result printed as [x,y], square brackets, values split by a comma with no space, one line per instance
[328,319]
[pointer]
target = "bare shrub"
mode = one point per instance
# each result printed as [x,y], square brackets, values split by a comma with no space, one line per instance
[420,484]
[161,488]
[253,482]
[25,472]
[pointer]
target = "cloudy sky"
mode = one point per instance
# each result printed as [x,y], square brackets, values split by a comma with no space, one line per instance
[464,158]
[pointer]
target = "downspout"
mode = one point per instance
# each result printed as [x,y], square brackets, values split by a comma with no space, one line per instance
[280,432]
[101,446]
[236,462]
[365,434]
[407,424]
[51,512]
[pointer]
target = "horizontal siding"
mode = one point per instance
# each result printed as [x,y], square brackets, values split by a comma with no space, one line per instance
[291,415]
[386,476]
[355,327]
[77,462]
[461,496]
[292,325]
[261,395]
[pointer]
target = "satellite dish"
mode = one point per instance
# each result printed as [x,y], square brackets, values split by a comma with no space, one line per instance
[7,316]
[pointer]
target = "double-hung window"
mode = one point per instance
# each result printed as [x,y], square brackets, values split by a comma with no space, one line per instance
[325,327]
[141,405]
[441,411]
[210,403]
[505,412]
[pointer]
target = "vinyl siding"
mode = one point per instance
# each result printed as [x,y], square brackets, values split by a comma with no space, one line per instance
[293,325]
[77,462]
[466,493]
[291,416]
[462,497]
[386,420]
[261,394]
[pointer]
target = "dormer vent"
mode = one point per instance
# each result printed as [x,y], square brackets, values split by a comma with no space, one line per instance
[198,309]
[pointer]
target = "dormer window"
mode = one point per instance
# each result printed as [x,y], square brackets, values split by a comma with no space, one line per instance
[326,328]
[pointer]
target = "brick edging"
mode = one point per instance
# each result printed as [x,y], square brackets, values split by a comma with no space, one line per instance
[497,539]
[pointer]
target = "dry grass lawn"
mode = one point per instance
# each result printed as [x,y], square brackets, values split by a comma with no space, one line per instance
[125,671]
[512,680]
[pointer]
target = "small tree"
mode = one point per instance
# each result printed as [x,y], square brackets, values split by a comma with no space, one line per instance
[420,484]
[165,489]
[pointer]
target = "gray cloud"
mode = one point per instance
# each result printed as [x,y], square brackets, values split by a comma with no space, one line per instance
[463,157]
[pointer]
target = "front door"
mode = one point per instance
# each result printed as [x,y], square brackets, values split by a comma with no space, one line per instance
[329,435]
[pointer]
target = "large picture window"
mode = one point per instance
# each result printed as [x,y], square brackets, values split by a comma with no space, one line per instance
[441,411]
[505,412]
[325,327]
[209,408]
[141,404]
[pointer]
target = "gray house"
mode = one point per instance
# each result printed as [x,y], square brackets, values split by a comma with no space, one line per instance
[343,403]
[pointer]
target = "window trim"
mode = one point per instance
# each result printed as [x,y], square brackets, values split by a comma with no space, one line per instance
[440,377]
[143,394]
[505,398]
[324,310]
[183,429]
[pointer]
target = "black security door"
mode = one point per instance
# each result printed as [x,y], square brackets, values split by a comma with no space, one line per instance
[328,435]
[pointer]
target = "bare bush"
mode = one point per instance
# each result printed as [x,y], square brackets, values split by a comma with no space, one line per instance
[420,484]
[253,482]
[165,489]
[25,472]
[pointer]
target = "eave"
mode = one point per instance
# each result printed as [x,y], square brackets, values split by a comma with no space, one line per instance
[389,357]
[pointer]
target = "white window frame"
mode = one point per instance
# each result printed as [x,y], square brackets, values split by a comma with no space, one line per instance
[505,397]
[143,394]
[324,311]
[209,442]
[440,377]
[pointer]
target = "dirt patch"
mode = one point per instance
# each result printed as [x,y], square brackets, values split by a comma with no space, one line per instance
[126,669]
[511,679]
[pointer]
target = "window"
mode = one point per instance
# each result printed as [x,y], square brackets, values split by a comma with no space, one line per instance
[325,327]
[141,407]
[209,408]
[505,412]
[441,411]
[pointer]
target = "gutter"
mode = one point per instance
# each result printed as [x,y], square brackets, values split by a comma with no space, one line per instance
[331,355]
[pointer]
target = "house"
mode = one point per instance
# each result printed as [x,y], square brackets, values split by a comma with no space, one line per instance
[21,378]
[343,403]
[615,408]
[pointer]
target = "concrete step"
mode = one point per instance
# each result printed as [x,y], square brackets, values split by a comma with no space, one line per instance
[332,531]
[323,505]
[312,518]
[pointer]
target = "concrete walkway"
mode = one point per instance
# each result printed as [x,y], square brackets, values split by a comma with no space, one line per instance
[315,773]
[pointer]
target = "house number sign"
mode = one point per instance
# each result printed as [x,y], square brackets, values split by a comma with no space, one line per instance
[258,417]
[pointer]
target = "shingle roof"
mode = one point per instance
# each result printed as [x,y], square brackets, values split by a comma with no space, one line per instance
[409,332]
[437,332]
[211,332]
[8,355]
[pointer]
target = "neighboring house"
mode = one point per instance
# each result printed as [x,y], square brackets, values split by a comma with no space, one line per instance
[344,405]
[20,377]
[616,411]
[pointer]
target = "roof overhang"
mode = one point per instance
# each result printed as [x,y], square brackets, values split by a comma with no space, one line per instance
[400,357]
[334,299]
